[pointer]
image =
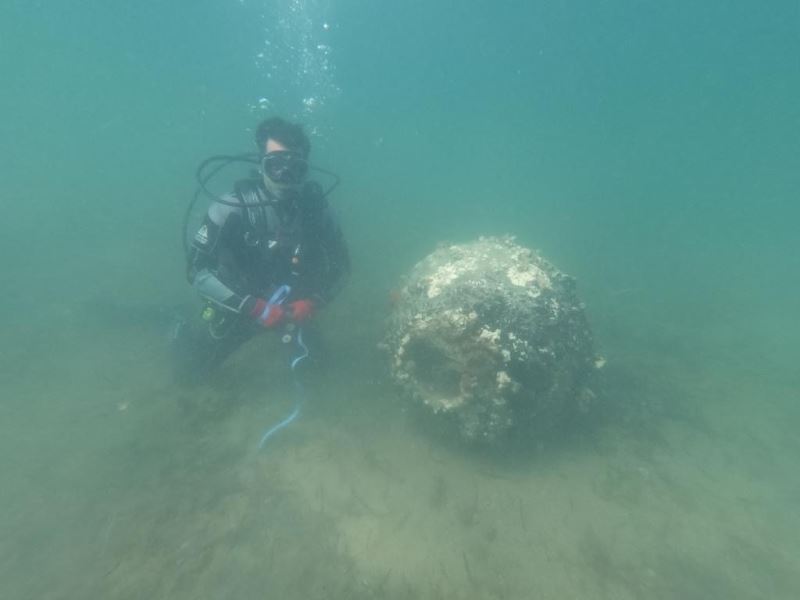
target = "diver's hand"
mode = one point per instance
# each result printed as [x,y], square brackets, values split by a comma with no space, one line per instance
[269,315]
[301,310]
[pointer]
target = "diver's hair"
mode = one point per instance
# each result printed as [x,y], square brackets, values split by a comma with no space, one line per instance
[288,134]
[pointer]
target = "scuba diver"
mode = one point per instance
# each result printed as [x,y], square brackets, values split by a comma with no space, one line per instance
[267,256]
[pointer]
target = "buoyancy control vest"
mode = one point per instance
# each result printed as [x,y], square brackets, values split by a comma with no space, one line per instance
[279,240]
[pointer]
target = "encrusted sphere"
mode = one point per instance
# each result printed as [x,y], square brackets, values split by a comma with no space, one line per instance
[491,338]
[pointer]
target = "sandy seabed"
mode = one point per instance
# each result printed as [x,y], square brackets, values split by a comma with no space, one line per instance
[119,484]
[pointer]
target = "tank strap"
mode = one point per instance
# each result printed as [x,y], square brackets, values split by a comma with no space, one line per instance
[260,215]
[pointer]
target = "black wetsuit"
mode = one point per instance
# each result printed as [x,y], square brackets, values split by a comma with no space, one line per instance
[247,251]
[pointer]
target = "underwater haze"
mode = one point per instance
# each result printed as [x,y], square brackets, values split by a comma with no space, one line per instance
[649,149]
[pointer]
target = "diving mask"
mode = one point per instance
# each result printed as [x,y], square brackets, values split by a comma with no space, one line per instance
[284,167]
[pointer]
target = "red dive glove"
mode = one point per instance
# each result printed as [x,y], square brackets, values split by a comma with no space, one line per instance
[269,315]
[300,310]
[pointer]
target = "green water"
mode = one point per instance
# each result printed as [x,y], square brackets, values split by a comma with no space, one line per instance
[650,149]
